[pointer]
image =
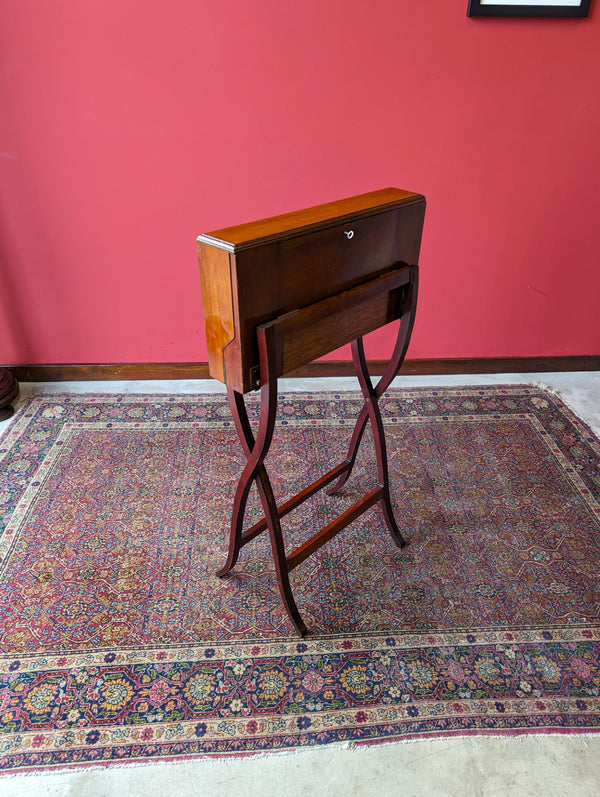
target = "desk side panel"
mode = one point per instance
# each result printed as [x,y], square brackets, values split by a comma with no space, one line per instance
[409,232]
[217,300]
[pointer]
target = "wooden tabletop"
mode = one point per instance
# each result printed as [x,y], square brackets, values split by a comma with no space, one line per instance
[287,225]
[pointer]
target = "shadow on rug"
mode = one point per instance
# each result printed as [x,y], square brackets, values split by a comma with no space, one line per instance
[118,643]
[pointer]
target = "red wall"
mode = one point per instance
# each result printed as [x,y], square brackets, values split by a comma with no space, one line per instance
[127,128]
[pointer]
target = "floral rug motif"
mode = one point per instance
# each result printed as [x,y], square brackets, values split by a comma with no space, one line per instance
[118,642]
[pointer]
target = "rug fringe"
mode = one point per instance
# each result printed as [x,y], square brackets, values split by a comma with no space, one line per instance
[566,401]
[518,737]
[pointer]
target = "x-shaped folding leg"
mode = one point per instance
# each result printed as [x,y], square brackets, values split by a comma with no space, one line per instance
[256,449]
[373,394]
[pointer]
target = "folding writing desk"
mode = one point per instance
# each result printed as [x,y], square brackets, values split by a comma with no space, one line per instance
[279,293]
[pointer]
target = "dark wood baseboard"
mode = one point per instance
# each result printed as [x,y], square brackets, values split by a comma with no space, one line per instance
[466,365]
[320,368]
[108,372]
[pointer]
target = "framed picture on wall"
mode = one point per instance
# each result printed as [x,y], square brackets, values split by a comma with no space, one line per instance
[528,8]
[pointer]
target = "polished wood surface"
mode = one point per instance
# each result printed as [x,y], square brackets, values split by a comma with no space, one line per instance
[287,225]
[253,273]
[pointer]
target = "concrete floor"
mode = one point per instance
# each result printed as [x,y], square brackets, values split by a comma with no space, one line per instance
[477,765]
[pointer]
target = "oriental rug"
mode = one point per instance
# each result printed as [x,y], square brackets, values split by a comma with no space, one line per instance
[118,643]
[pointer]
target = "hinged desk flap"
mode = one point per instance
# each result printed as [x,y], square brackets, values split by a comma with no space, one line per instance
[288,225]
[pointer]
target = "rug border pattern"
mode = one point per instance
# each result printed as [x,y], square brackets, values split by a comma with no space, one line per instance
[226,735]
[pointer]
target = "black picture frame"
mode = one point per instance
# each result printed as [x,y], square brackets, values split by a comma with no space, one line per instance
[533,8]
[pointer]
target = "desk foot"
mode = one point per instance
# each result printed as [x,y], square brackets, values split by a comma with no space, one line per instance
[390,520]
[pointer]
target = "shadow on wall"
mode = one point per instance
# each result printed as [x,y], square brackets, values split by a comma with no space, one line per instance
[31,310]
[12,311]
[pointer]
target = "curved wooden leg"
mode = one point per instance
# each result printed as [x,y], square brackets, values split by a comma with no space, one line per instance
[374,414]
[407,321]
[277,547]
[256,450]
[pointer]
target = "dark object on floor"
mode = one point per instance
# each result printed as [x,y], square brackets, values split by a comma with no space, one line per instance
[9,390]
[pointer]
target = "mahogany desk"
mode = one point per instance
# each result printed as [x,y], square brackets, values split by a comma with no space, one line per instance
[279,293]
